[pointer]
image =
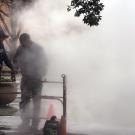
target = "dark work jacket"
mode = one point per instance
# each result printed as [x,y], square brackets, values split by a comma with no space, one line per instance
[31,60]
[3,57]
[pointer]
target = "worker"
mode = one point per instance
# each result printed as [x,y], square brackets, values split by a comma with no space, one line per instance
[31,60]
[52,126]
[3,56]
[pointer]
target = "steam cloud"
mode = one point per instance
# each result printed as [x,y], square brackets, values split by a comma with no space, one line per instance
[99,62]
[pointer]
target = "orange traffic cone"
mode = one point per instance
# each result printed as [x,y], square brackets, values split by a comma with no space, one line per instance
[51,111]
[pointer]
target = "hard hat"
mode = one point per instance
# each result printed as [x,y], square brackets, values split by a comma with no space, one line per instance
[24,36]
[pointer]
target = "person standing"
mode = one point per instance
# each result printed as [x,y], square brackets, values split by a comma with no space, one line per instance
[31,60]
[3,56]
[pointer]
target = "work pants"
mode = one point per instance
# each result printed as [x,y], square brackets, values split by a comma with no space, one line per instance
[30,89]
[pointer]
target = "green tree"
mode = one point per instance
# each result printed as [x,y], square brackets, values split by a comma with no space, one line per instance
[90,9]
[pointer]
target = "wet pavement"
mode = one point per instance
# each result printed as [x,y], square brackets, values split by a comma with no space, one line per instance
[10,120]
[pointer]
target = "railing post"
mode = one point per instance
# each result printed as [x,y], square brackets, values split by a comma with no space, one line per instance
[64,96]
[64,117]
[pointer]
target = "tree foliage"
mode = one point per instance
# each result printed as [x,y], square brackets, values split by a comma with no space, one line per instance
[90,9]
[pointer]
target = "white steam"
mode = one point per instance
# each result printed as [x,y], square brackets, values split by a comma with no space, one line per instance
[99,62]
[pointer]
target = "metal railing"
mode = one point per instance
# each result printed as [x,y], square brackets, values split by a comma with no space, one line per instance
[62,99]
